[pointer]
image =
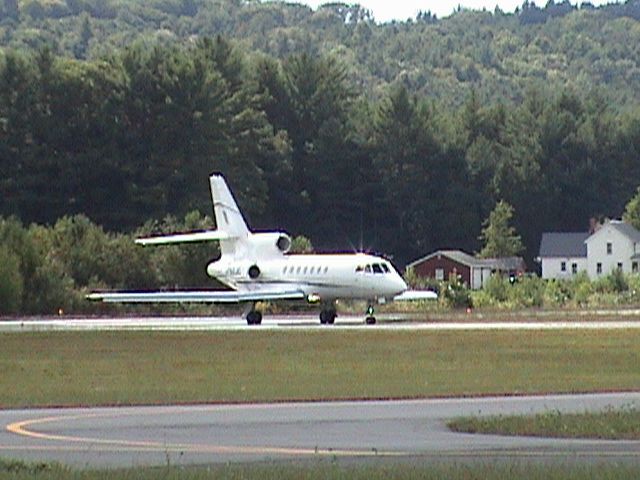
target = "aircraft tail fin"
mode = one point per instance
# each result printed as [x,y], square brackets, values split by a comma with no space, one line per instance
[228,217]
[231,227]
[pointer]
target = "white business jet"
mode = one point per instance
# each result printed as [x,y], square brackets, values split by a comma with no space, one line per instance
[256,267]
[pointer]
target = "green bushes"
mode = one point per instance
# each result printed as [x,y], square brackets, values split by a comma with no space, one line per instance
[452,293]
[48,270]
[11,283]
[614,290]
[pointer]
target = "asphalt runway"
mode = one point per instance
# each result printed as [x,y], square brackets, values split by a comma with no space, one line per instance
[411,430]
[392,321]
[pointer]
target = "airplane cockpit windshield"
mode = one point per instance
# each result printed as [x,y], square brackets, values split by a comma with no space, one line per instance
[373,268]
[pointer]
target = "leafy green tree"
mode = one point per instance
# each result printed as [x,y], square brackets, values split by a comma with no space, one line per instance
[423,180]
[11,282]
[12,9]
[301,244]
[174,266]
[631,213]
[81,48]
[406,155]
[310,99]
[15,239]
[498,237]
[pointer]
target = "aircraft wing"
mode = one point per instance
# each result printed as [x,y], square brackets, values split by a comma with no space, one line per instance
[197,296]
[203,236]
[413,295]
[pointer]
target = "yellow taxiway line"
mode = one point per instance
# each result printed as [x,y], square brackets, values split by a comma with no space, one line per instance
[23,428]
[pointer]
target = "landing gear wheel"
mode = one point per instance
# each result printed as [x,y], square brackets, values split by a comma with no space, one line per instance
[254,317]
[328,316]
[370,319]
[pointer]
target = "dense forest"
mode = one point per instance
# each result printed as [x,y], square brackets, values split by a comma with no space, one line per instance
[498,54]
[398,137]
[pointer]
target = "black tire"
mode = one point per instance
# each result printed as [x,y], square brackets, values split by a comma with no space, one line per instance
[370,320]
[254,317]
[328,317]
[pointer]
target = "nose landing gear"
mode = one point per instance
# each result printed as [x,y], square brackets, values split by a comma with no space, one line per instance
[370,319]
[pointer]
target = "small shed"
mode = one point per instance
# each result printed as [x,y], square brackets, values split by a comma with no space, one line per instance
[473,271]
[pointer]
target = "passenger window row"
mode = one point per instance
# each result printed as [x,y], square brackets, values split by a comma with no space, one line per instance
[300,270]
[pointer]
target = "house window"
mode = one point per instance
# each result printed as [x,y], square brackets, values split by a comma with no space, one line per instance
[598,268]
[609,248]
[439,274]
[634,267]
[563,266]
[620,266]
[574,268]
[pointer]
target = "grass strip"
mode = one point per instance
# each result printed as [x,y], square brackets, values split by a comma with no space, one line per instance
[328,471]
[612,424]
[100,368]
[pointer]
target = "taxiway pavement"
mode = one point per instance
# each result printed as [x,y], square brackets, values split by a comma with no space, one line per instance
[206,434]
[393,321]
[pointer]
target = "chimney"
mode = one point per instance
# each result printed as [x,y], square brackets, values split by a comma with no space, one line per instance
[594,225]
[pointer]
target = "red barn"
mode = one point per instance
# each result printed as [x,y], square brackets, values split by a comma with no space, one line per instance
[473,271]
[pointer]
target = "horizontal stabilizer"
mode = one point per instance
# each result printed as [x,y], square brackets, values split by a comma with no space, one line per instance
[414,295]
[204,236]
[196,296]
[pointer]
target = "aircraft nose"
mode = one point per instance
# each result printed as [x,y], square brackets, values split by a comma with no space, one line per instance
[400,283]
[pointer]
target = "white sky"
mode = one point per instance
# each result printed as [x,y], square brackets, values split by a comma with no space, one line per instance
[385,10]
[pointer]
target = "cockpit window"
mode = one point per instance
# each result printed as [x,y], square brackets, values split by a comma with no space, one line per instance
[377,268]
[360,268]
[386,268]
[367,269]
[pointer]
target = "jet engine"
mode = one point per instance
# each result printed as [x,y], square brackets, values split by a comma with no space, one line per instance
[284,243]
[269,244]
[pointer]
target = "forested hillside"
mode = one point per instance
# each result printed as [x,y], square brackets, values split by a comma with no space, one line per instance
[397,137]
[499,54]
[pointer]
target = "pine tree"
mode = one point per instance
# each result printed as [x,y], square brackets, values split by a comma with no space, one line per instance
[499,238]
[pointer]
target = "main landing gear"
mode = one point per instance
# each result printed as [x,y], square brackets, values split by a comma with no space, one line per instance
[253,316]
[328,316]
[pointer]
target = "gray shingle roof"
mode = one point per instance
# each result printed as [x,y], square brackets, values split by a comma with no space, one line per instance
[626,229]
[456,255]
[506,264]
[561,244]
[502,264]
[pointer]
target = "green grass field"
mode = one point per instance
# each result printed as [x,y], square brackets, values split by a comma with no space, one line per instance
[98,368]
[329,471]
[612,424]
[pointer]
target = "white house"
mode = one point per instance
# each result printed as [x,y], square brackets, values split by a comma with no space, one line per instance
[614,245]
[563,255]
